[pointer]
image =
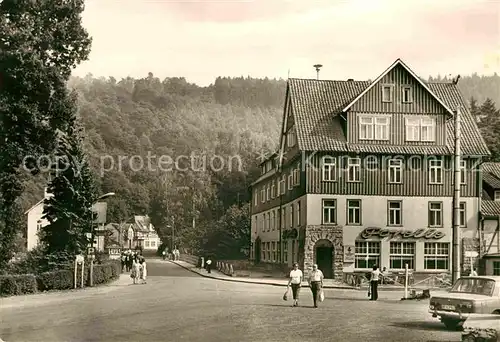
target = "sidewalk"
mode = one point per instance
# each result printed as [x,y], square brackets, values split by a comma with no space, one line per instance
[327,283]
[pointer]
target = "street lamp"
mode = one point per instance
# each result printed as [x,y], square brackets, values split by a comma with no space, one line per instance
[107,195]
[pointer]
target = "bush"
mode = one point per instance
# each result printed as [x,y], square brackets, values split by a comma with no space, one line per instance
[11,285]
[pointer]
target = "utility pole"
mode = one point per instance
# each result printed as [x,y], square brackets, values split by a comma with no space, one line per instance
[173,232]
[456,201]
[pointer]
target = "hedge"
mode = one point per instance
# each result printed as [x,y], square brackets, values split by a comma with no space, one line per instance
[11,285]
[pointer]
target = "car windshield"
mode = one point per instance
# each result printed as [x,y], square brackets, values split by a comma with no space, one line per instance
[474,285]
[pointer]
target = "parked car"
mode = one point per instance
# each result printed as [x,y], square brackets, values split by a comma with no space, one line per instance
[479,294]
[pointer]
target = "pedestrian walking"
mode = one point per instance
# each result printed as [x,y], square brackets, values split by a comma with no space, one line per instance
[295,282]
[209,265]
[136,271]
[123,260]
[144,271]
[316,283]
[375,275]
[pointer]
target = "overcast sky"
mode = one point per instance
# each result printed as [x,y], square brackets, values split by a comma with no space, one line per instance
[358,39]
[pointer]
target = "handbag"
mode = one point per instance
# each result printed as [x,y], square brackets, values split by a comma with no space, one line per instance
[285,295]
[321,296]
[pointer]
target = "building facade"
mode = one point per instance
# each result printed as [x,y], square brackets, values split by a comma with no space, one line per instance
[364,176]
[35,222]
[141,235]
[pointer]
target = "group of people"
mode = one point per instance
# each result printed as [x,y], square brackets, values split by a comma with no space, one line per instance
[174,255]
[315,281]
[134,263]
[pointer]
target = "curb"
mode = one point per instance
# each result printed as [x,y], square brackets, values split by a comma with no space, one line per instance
[256,282]
[338,287]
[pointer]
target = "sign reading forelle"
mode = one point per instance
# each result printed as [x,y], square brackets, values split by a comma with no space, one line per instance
[405,234]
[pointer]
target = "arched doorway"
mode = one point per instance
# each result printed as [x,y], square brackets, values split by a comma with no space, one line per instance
[257,247]
[323,256]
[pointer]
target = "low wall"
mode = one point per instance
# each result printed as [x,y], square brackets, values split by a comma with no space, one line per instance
[221,266]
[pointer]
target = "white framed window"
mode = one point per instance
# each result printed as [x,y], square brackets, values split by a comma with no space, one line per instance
[298,215]
[382,127]
[38,225]
[463,172]
[291,137]
[436,256]
[395,170]
[329,211]
[435,171]
[290,181]
[463,214]
[146,243]
[406,95]
[496,268]
[263,252]
[282,185]
[268,193]
[285,251]
[366,254]
[353,212]
[273,190]
[394,213]
[353,169]
[283,216]
[366,124]
[427,129]
[153,243]
[402,253]
[374,127]
[329,167]
[435,214]
[268,249]
[387,93]
[412,126]
[256,198]
[291,215]
[296,177]
[274,250]
[263,195]
[273,221]
[269,222]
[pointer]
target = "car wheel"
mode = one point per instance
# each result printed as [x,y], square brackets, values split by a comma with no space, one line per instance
[452,324]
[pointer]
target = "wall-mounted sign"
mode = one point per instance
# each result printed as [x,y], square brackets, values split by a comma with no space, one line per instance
[405,234]
[349,255]
[290,234]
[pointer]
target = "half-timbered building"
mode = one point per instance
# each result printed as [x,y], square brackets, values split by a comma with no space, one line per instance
[364,176]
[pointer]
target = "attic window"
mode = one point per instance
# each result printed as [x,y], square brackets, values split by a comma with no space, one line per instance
[291,138]
[407,96]
[387,93]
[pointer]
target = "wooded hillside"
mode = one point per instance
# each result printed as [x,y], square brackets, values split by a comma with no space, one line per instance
[235,118]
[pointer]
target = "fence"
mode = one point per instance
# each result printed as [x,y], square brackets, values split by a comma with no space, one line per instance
[223,267]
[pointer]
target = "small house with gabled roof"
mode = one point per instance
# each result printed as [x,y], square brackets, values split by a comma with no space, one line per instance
[364,176]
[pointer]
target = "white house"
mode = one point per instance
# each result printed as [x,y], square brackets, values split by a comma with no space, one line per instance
[35,222]
[143,233]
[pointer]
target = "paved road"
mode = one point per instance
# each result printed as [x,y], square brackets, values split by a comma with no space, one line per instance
[177,305]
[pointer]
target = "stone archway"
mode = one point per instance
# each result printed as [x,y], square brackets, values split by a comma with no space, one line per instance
[324,256]
[324,237]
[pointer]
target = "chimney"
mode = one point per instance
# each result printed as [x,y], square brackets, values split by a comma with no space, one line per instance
[317,67]
[350,80]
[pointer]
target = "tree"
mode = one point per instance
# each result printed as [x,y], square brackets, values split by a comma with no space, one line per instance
[40,42]
[69,209]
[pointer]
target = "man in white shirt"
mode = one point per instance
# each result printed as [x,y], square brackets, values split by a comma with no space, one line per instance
[295,281]
[316,283]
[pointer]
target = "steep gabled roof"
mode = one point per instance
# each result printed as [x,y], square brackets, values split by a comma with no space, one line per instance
[491,174]
[490,208]
[401,63]
[317,105]
[34,206]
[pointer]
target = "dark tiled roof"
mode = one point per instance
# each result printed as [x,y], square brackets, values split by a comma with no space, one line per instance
[493,168]
[316,105]
[490,208]
[491,180]
[472,142]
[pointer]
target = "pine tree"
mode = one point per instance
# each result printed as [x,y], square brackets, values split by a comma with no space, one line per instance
[73,192]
